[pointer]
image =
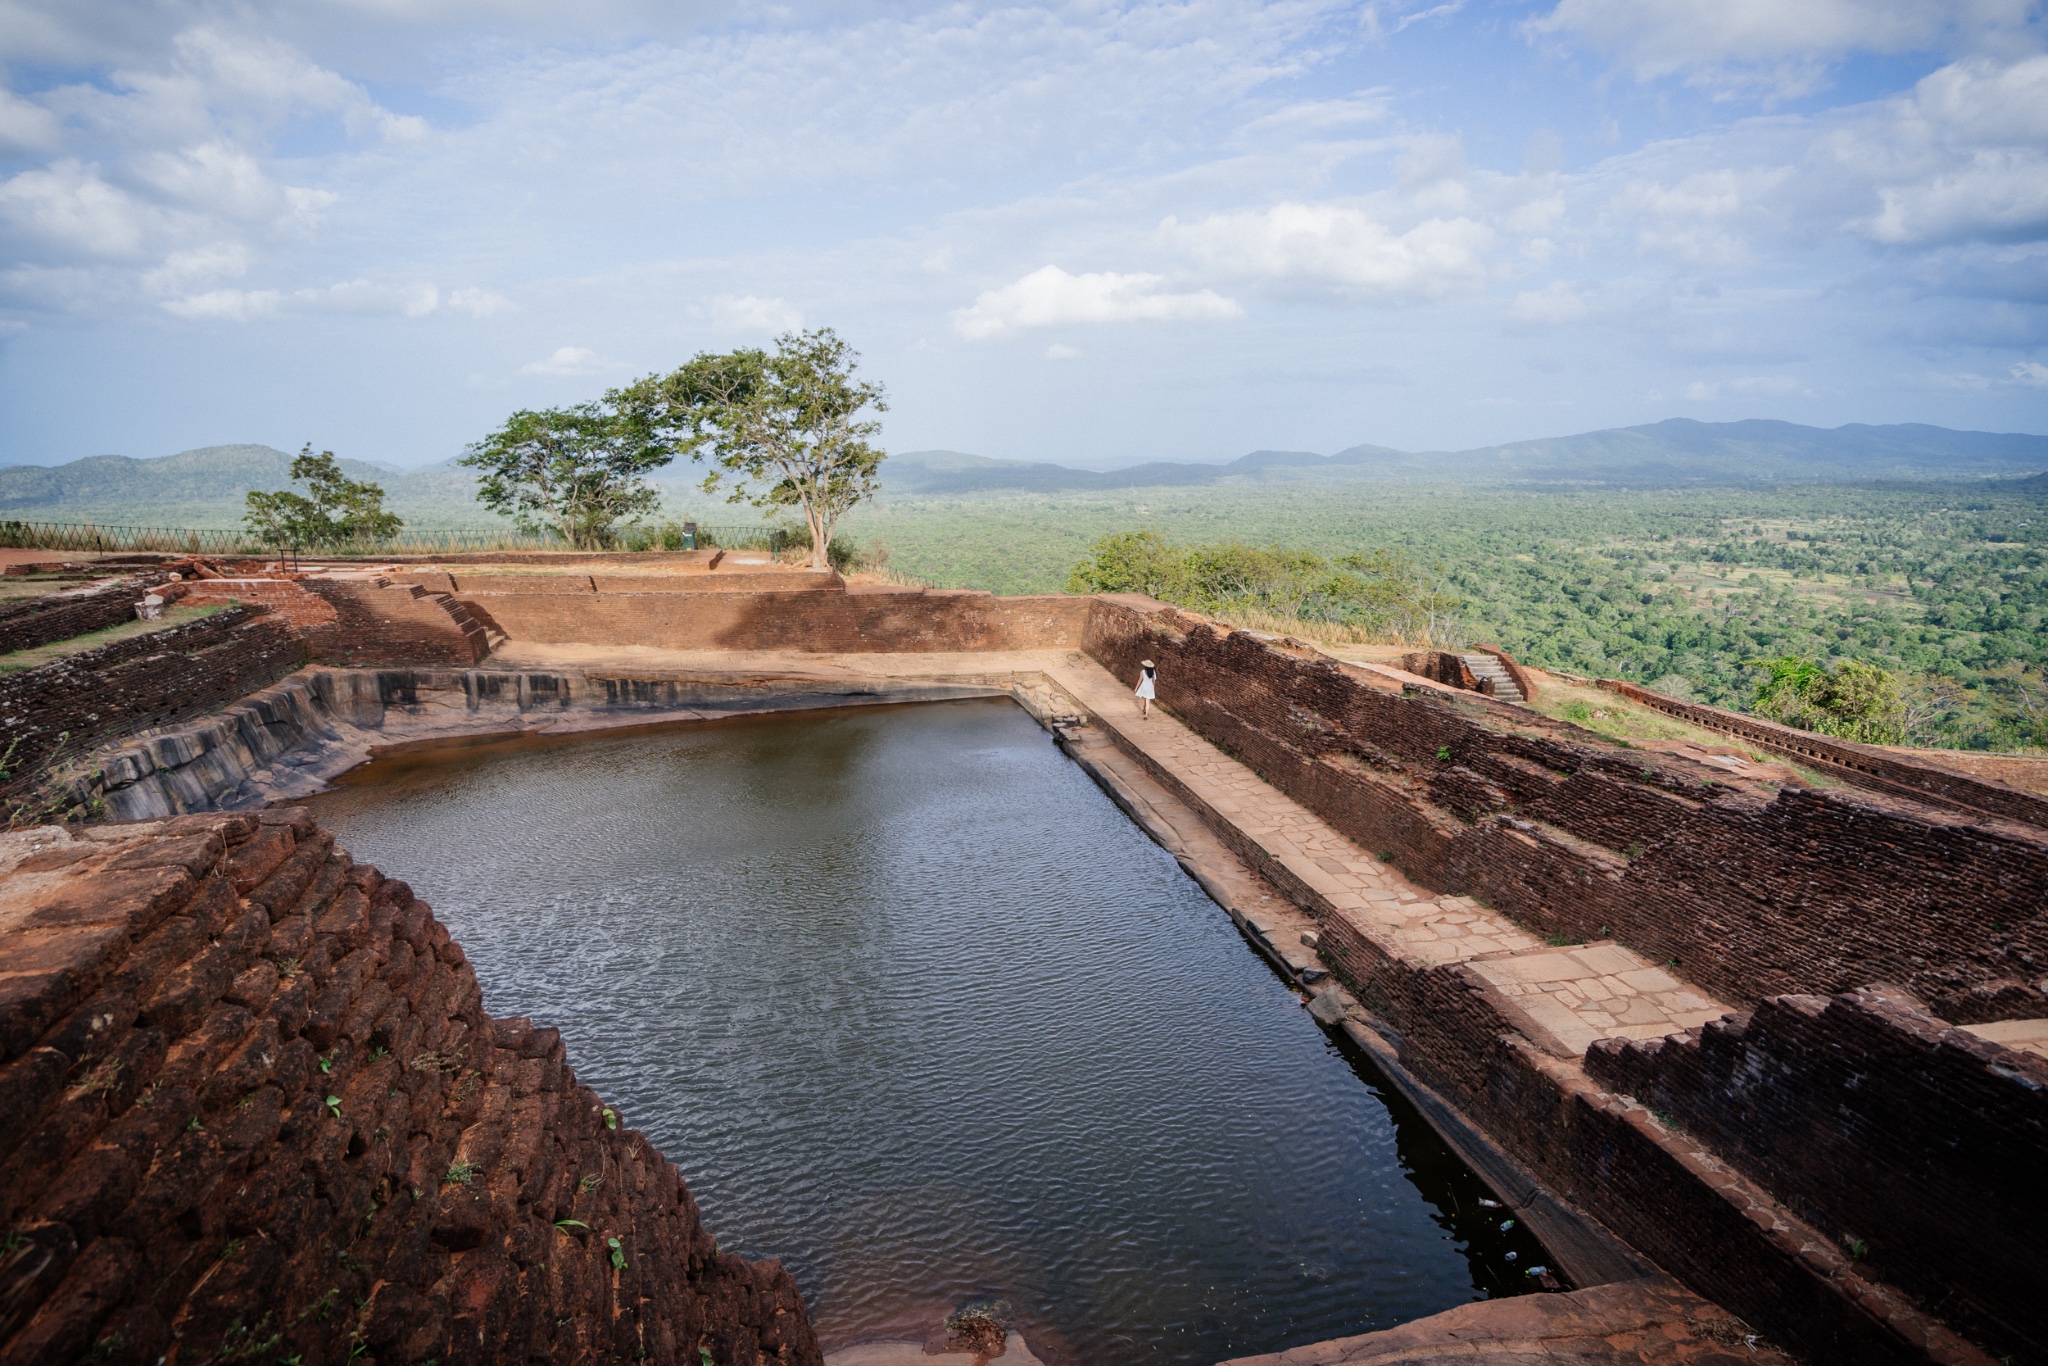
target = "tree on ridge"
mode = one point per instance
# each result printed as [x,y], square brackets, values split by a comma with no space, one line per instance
[786,428]
[574,471]
[335,511]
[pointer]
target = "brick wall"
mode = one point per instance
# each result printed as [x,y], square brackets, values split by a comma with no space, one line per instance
[58,711]
[855,622]
[1884,1126]
[1651,1185]
[44,621]
[251,1109]
[1753,894]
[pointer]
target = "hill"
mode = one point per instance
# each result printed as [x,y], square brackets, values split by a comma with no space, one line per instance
[1675,453]
[205,487]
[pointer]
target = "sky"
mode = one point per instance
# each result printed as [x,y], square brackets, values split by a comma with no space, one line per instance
[1094,233]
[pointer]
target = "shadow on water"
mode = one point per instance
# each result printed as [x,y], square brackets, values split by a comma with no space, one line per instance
[916,1009]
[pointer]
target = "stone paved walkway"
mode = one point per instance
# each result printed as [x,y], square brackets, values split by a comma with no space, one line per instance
[1570,995]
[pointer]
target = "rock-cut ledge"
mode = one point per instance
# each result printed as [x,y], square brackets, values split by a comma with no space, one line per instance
[251,1109]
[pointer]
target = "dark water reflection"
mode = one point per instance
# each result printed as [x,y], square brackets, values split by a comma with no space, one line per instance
[918,1011]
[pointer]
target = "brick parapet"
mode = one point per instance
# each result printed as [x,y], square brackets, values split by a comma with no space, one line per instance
[812,621]
[1908,1140]
[251,1108]
[1752,894]
[1869,766]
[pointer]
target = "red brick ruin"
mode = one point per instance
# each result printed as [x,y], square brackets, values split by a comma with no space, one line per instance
[251,1108]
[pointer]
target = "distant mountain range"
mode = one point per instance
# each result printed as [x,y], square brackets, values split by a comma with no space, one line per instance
[1675,453]
[206,487]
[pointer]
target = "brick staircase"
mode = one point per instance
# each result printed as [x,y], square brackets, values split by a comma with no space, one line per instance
[1494,679]
[386,624]
[479,636]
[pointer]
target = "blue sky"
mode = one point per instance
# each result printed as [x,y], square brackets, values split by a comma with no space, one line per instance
[1093,233]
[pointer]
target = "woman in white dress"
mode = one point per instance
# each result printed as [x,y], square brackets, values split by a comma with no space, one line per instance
[1148,674]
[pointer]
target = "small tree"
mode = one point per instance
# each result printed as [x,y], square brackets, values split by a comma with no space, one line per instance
[1856,701]
[786,428]
[576,472]
[335,511]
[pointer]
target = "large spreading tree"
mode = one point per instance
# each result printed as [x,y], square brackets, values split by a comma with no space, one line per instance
[335,510]
[576,472]
[788,428]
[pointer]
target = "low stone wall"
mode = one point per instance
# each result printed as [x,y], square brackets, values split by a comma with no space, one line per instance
[59,711]
[1750,894]
[821,622]
[60,616]
[1440,666]
[1915,1143]
[251,1109]
[1868,766]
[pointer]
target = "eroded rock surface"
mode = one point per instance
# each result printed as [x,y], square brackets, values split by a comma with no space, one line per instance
[251,1109]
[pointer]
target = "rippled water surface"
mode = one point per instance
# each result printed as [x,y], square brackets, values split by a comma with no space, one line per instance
[918,1011]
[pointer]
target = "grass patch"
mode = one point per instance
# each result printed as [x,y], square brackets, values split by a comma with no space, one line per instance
[127,630]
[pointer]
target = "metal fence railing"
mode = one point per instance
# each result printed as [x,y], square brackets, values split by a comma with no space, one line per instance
[102,537]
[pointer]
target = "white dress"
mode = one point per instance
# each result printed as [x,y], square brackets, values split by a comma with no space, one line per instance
[1145,677]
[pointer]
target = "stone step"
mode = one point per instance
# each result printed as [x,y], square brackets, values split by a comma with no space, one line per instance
[1494,677]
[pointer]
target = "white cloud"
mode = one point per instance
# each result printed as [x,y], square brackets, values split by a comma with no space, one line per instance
[350,296]
[2031,373]
[1322,116]
[185,271]
[1964,154]
[68,210]
[1701,391]
[26,127]
[1050,297]
[1780,48]
[1555,304]
[1061,351]
[569,360]
[1330,244]
[233,305]
[1443,11]
[478,302]
[747,313]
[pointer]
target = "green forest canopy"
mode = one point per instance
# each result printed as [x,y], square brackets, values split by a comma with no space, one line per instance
[1678,588]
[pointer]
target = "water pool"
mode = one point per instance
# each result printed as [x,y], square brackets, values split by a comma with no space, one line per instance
[916,1009]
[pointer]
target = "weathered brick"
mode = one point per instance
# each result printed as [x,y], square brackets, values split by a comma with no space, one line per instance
[254,860]
[321,1203]
[27,1086]
[196,854]
[133,899]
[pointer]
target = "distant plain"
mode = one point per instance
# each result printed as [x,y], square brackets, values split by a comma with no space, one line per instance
[1670,554]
